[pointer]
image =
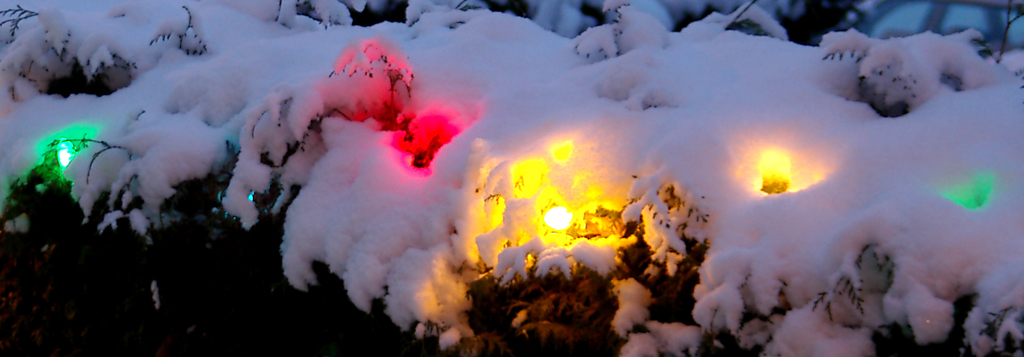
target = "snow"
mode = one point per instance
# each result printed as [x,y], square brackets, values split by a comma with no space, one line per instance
[429,149]
[805,333]
[519,319]
[640,345]
[633,302]
[676,339]
[19,224]
[664,339]
[156,294]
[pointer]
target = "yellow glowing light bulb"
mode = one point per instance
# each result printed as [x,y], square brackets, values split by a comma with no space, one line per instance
[562,151]
[775,172]
[558,218]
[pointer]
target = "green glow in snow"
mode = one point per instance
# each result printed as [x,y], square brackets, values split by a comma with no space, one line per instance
[67,136]
[57,148]
[974,193]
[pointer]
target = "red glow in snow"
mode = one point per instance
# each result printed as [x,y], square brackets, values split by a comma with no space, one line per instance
[424,136]
[379,68]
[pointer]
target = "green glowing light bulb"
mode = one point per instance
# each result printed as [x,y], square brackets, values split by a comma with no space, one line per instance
[65,152]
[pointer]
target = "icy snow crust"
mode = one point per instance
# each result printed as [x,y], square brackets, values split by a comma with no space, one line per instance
[866,212]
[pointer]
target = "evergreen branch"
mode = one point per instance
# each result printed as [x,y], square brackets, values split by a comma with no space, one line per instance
[96,155]
[82,144]
[18,11]
[181,36]
[1009,21]
[18,14]
[998,318]
[736,19]
[462,6]
[189,17]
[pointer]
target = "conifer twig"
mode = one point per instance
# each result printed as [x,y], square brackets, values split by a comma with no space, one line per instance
[1006,31]
[81,144]
[18,14]
[738,16]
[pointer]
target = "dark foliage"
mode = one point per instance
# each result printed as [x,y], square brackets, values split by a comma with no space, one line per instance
[395,12]
[573,317]
[517,7]
[64,289]
[672,296]
[565,317]
[895,340]
[819,18]
[78,83]
[68,290]
[748,27]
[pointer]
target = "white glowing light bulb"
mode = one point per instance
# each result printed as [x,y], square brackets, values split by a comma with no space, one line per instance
[558,218]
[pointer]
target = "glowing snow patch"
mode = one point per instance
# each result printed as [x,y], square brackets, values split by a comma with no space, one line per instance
[65,152]
[529,176]
[561,152]
[973,194]
[556,238]
[494,208]
[775,169]
[558,218]
[424,137]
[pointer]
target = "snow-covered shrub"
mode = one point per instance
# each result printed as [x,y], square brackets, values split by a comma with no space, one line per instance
[513,194]
[806,21]
[630,28]
[564,17]
[672,220]
[632,81]
[424,200]
[371,81]
[556,291]
[146,166]
[996,323]
[326,12]
[58,57]
[293,138]
[633,28]
[188,31]
[898,75]
[312,15]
